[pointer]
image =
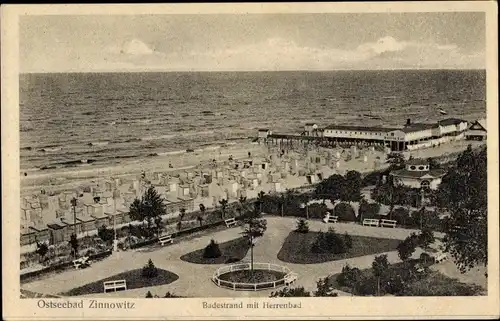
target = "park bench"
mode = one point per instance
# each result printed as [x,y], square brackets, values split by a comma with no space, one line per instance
[388,223]
[81,262]
[230,222]
[290,278]
[370,222]
[165,239]
[115,285]
[330,219]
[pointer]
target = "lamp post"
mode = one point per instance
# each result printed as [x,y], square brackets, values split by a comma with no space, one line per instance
[116,194]
[73,204]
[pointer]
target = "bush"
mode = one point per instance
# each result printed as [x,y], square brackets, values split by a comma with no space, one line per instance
[291,292]
[349,276]
[302,226]
[149,270]
[149,295]
[407,247]
[426,259]
[317,210]
[368,210]
[329,242]
[365,286]
[401,215]
[345,212]
[105,234]
[347,241]
[425,238]
[212,250]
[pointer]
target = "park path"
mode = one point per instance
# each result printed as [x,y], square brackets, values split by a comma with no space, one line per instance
[195,279]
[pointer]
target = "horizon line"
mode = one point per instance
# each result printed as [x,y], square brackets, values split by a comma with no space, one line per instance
[236,71]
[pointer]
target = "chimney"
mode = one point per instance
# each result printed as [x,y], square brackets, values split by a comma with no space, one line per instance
[408,122]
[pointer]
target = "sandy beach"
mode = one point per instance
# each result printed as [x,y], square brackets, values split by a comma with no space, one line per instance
[68,178]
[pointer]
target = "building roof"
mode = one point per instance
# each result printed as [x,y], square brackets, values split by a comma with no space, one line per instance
[310,124]
[480,122]
[417,127]
[362,128]
[417,161]
[451,121]
[418,174]
[263,130]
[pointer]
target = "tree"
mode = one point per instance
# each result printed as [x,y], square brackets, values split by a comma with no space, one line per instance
[380,267]
[74,245]
[426,237]
[254,226]
[291,292]
[349,276]
[347,241]
[105,234]
[302,226]
[149,270]
[149,295]
[212,250]
[463,192]
[159,225]
[223,204]
[42,249]
[331,186]
[352,187]
[243,205]
[323,288]
[148,207]
[407,247]
[345,212]
[260,200]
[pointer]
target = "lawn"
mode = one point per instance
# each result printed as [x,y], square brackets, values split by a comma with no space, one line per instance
[297,248]
[134,281]
[232,251]
[432,283]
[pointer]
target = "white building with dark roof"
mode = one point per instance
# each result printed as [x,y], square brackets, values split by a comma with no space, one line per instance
[477,131]
[418,174]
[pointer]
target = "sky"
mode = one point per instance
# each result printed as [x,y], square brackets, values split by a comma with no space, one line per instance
[252,42]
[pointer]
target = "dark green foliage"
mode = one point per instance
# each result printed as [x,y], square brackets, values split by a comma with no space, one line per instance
[365,285]
[212,250]
[338,187]
[401,215]
[148,207]
[74,244]
[317,210]
[426,237]
[105,234]
[329,242]
[291,292]
[345,212]
[347,241]
[302,226]
[149,270]
[42,249]
[368,210]
[426,259]
[407,247]
[140,231]
[463,192]
[223,204]
[323,289]
[349,276]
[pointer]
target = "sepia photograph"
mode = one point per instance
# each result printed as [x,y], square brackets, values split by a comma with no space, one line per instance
[273,156]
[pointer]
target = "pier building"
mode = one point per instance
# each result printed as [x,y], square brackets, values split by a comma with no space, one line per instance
[411,136]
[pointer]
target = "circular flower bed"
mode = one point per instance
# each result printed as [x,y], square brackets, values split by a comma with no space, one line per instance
[241,277]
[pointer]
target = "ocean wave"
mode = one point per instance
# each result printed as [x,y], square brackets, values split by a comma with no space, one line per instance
[104,143]
[147,138]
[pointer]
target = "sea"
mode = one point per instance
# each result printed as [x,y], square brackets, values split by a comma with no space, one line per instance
[76,119]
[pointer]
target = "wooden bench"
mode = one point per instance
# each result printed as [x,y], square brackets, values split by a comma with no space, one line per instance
[115,286]
[388,223]
[81,262]
[370,222]
[230,222]
[290,278]
[165,239]
[330,219]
